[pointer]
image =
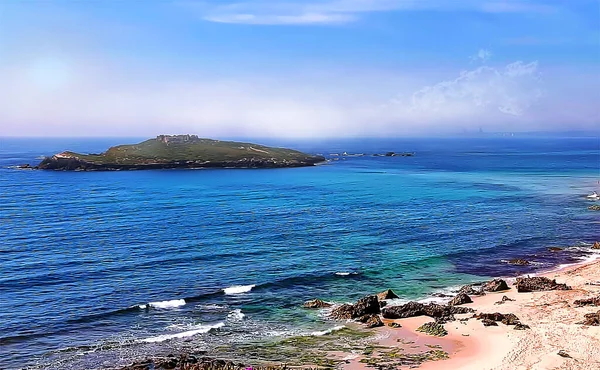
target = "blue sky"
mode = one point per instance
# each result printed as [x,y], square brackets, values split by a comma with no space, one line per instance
[290,68]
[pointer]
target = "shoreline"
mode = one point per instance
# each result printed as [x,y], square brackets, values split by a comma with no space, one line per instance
[550,314]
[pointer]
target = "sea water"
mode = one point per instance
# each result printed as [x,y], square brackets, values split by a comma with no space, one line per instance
[98,267]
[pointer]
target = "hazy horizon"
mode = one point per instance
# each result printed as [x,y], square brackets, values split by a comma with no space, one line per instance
[298,69]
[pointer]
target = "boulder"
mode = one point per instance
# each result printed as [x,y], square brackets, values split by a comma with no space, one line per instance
[495,285]
[439,312]
[595,207]
[538,284]
[562,353]
[519,262]
[520,326]
[471,290]
[461,298]
[506,319]
[316,303]
[386,294]
[510,319]
[488,322]
[394,325]
[596,245]
[592,319]
[371,321]
[594,301]
[364,306]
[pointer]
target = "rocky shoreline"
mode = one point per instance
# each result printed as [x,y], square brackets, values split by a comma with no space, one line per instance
[429,335]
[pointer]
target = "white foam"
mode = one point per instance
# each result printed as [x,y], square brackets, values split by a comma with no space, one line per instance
[211,307]
[164,304]
[326,332]
[238,289]
[236,315]
[200,329]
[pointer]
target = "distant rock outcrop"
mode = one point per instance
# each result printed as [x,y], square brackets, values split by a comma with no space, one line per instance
[537,284]
[316,303]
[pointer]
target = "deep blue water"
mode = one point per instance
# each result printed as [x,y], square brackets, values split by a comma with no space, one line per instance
[82,253]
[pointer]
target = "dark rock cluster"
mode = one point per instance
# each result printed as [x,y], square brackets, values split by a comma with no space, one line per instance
[190,362]
[491,319]
[316,303]
[592,319]
[538,284]
[368,305]
[594,301]
[440,313]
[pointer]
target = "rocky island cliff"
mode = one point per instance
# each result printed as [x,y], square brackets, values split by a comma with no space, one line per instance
[180,151]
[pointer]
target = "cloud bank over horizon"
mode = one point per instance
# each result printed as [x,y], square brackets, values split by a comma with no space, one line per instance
[96,86]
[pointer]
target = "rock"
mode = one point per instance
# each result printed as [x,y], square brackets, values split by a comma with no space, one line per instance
[187,362]
[519,262]
[510,319]
[495,285]
[562,353]
[316,303]
[596,245]
[488,322]
[461,298]
[433,328]
[471,290]
[555,249]
[595,207]
[411,309]
[389,154]
[592,319]
[520,326]
[371,321]
[394,325]
[387,294]
[382,304]
[505,299]
[594,301]
[364,306]
[25,166]
[506,319]
[537,284]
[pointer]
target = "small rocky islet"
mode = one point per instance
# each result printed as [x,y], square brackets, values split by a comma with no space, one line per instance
[179,152]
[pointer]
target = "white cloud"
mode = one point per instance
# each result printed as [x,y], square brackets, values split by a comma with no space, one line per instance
[104,100]
[483,55]
[296,12]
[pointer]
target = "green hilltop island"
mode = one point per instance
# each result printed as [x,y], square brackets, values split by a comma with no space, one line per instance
[180,151]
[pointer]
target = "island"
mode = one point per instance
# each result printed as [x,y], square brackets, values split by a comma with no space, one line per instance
[180,151]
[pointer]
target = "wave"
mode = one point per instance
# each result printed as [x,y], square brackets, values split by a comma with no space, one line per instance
[238,289]
[327,332]
[164,304]
[201,329]
[346,273]
[236,315]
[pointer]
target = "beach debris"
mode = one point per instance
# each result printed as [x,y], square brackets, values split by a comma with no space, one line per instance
[562,353]
[461,298]
[364,306]
[504,300]
[519,262]
[594,207]
[555,249]
[495,285]
[316,303]
[520,326]
[591,319]
[538,284]
[394,325]
[440,313]
[594,301]
[433,328]
[596,245]
[371,320]
[387,294]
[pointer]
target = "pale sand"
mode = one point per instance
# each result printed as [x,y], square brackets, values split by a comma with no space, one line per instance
[551,316]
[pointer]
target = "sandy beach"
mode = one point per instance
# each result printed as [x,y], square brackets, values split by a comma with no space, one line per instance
[554,323]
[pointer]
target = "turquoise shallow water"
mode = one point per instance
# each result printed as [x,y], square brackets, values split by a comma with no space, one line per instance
[83,254]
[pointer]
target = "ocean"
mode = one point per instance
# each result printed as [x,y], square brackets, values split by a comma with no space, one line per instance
[97,268]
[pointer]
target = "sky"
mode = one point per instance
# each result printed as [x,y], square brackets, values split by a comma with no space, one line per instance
[298,68]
